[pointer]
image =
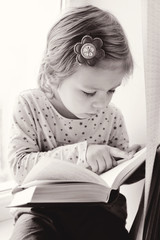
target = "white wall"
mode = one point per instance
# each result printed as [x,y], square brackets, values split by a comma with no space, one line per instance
[24,28]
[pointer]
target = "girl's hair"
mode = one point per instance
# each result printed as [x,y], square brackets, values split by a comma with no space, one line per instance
[59,60]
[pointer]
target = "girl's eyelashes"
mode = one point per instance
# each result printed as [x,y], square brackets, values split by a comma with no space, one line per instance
[112,91]
[91,94]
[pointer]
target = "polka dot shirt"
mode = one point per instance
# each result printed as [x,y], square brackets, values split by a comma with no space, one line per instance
[39,132]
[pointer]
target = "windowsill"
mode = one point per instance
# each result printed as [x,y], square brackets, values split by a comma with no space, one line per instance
[5,199]
[6,228]
[6,221]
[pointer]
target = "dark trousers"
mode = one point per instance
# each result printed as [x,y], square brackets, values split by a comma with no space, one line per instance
[70,222]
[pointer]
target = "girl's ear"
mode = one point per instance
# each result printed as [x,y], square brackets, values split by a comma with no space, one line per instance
[50,84]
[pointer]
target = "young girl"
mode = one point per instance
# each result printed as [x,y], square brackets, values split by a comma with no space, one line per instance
[70,117]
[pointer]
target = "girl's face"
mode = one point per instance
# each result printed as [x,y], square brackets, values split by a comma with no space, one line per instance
[88,90]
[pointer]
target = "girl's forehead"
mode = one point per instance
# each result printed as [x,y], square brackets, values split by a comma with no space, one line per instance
[103,67]
[98,78]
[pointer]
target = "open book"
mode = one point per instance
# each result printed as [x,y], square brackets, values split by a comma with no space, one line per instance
[55,181]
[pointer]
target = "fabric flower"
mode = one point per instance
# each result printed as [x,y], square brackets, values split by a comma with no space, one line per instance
[89,50]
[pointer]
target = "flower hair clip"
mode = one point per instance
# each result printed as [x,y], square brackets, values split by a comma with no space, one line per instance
[89,50]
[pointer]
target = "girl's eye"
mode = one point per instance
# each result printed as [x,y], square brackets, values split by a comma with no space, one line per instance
[111,91]
[90,94]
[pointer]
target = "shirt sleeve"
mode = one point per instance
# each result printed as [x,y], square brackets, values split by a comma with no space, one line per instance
[25,144]
[119,136]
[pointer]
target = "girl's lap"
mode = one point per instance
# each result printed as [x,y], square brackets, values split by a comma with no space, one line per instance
[80,221]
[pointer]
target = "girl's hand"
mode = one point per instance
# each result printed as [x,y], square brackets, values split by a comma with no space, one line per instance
[102,157]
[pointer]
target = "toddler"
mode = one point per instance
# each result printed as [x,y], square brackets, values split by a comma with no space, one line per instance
[70,117]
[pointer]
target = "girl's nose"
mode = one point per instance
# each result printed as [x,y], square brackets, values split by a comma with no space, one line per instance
[100,101]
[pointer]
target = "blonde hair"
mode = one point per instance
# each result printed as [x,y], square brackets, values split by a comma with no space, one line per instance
[59,60]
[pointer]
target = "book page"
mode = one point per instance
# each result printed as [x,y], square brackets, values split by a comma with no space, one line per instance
[20,197]
[55,169]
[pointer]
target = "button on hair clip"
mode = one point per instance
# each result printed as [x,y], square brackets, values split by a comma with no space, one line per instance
[89,50]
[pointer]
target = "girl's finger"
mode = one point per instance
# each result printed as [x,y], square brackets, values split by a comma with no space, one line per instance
[108,160]
[116,152]
[94,166]
[101,165]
